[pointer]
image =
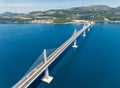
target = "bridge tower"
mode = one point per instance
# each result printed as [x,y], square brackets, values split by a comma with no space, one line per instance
[88,29]
[84,33]
[91,24]
[75,45]
[46,77]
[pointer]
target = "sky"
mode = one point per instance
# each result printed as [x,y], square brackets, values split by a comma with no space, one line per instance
[26,6]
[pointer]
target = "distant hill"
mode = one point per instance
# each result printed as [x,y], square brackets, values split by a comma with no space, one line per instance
[92,8]
[9,14]
[116,11]
[91,13]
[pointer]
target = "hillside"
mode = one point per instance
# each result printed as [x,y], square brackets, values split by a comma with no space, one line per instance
[90,13]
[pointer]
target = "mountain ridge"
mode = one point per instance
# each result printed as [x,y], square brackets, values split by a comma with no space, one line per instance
[93,12]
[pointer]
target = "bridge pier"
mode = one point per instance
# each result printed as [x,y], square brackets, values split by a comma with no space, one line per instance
[46,77]
[75,45]
[89,29]
[91,24]
[84,34]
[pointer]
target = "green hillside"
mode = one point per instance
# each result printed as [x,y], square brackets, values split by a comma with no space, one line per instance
[96,13]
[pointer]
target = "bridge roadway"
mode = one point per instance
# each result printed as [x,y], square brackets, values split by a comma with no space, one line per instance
[31,76]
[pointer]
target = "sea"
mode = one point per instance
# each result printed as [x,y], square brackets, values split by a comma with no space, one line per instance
[94,64]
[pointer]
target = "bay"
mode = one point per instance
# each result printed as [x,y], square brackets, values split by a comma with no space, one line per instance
[94,64]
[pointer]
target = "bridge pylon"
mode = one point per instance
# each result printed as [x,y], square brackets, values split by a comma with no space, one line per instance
[46,77]
[88,29]
[91,24]
[75,45]
[84,34]
[84,25]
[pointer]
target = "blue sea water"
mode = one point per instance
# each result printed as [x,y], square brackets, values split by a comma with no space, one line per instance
[94,64]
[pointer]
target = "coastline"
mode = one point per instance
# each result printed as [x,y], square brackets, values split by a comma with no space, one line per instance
[85,22]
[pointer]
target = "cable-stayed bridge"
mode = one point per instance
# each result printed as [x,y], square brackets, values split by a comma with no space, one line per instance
[42,65]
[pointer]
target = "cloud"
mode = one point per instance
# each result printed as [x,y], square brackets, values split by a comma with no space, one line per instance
[16,5]
[25,7]
[37,4]
[28,7]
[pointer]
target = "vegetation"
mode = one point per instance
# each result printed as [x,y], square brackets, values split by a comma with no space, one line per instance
[91,13]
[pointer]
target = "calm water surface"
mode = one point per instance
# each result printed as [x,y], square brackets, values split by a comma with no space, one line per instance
[94,64]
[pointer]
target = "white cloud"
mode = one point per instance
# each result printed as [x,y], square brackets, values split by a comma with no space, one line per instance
[28,7]
[16,5]
[21,7]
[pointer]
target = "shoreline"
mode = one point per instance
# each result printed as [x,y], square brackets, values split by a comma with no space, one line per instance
[67,22]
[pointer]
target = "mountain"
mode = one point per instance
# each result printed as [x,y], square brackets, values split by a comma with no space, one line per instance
[92,8]
[90,13]
[9,14]
[116,11]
